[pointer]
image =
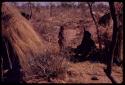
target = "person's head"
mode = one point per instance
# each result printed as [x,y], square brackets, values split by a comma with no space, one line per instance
[61,28]
[87,34]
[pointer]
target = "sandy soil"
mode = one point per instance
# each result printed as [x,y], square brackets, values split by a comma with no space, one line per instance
[82,72]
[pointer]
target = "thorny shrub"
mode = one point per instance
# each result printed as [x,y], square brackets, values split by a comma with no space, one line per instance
[49,65]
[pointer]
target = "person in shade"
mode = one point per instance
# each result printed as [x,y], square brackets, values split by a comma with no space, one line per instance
[61,38]
[86,46]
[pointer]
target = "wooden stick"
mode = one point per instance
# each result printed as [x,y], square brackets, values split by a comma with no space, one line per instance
[10,63]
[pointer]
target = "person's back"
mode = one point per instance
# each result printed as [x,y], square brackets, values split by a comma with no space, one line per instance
[87,43]
[86,46]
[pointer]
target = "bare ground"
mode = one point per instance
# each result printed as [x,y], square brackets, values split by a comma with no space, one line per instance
[82,72]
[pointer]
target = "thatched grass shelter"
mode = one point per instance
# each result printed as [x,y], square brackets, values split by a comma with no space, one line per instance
[26,42]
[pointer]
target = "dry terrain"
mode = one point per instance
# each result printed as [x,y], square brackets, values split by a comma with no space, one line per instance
[46,22]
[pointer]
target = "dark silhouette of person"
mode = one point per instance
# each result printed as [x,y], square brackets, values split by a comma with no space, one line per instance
[86,45]
[61,38]
[105,19]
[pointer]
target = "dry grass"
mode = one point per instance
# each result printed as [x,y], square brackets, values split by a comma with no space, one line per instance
[39,53]
[21,35]
[28,45]
[49,65]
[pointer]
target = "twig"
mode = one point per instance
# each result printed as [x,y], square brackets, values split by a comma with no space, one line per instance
[10,63]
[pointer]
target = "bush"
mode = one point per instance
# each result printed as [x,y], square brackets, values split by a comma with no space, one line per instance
[49,65]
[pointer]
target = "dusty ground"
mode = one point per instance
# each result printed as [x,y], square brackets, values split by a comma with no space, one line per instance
[82,72]
[85,71]
[48,27]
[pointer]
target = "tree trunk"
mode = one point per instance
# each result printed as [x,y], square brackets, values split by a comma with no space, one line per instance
[114,39]
[118,50]
[99,40]
[118,47]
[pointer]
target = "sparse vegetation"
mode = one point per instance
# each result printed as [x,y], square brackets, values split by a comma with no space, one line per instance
[34,49]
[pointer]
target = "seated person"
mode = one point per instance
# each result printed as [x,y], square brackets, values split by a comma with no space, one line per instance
[86,45]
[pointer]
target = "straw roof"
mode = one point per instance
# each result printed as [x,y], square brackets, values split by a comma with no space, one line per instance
[26,42]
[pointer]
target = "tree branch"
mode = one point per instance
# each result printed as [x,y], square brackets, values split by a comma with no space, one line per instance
[90,7]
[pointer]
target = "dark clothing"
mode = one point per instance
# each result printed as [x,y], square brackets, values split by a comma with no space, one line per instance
[104,20]
[61,38]
[86,46]
[87,43]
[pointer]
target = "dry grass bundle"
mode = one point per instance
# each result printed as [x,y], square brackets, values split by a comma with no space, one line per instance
[30,48]
[19,32]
